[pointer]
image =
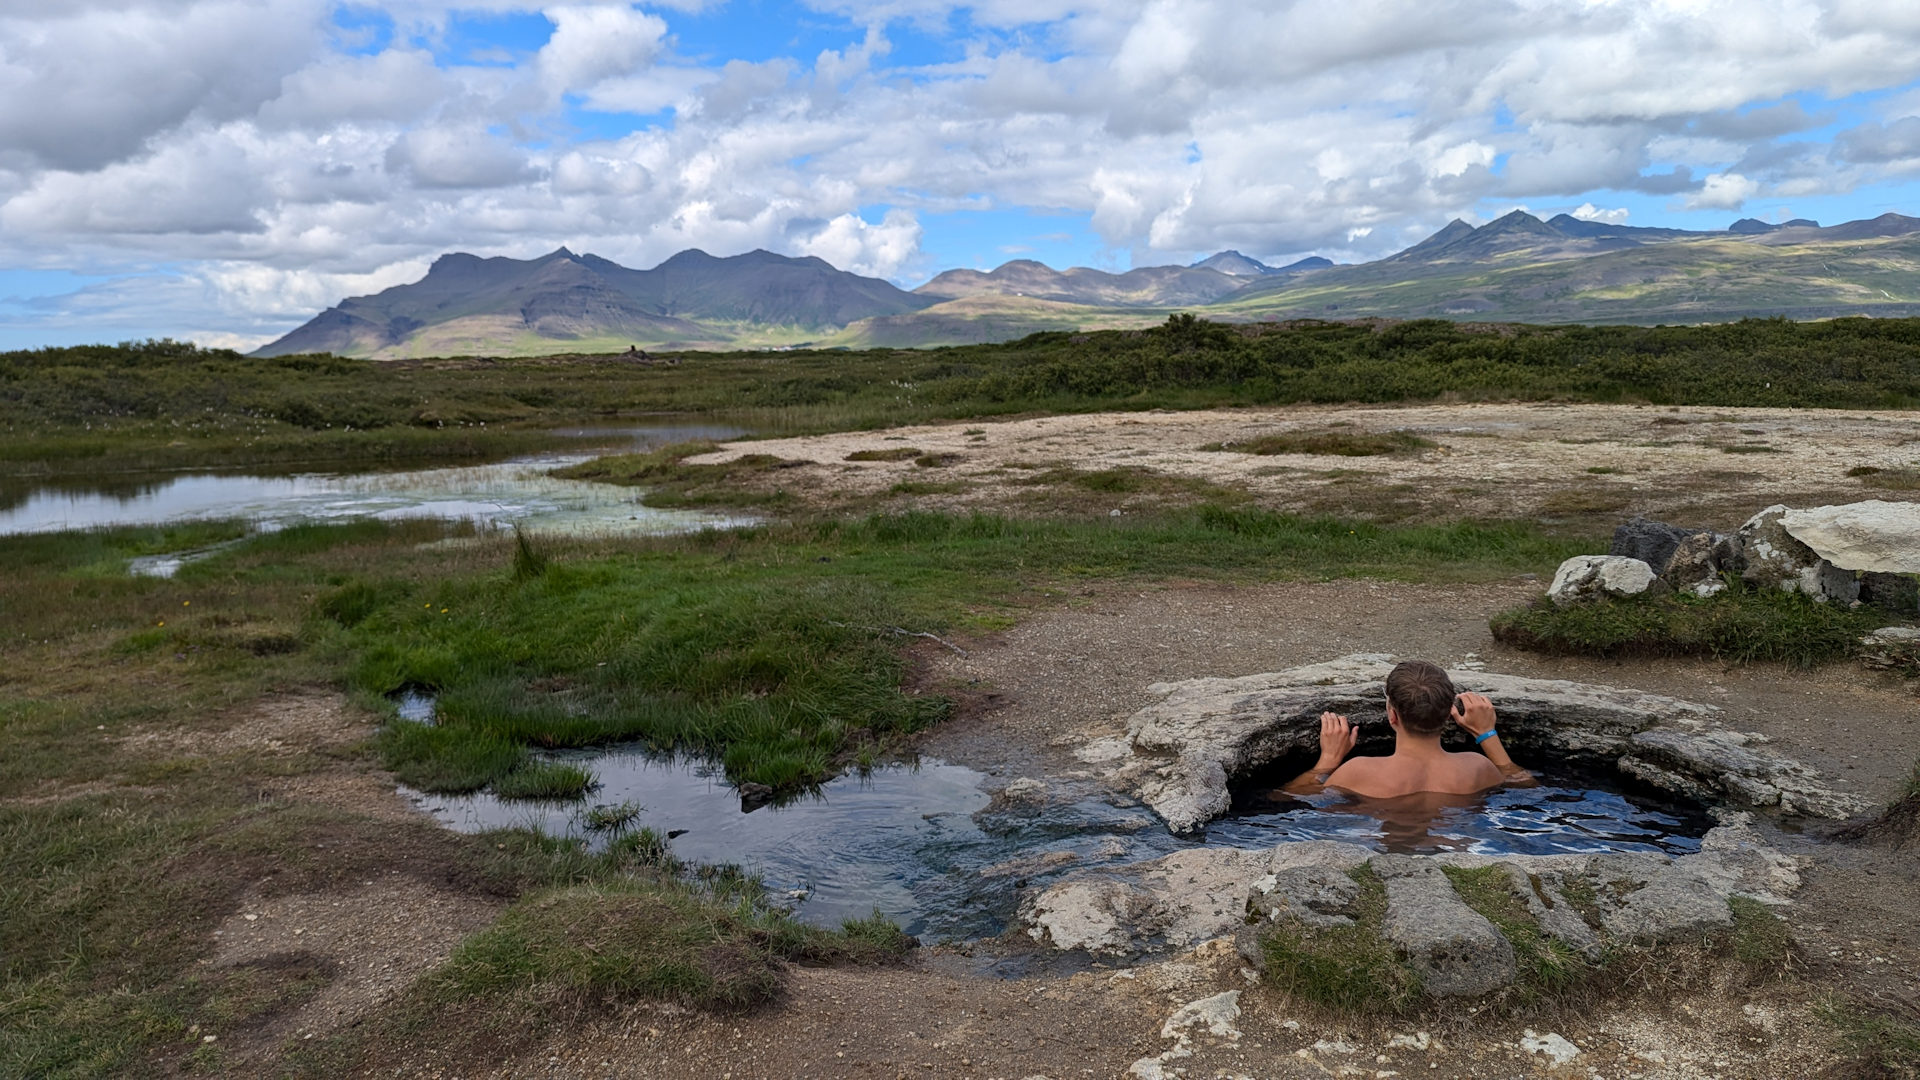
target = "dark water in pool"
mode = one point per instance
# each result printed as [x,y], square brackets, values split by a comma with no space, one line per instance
[926,845]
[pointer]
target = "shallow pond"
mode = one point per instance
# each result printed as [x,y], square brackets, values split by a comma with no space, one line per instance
[928,846]
[515,492]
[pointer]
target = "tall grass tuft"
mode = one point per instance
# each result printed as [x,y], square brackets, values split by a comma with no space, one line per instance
[528,561]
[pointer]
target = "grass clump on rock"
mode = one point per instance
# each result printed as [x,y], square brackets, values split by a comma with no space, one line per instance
[1739,624]
[1349,968]
[1546,965]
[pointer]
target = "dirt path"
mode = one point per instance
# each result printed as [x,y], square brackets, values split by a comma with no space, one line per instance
[1704,466]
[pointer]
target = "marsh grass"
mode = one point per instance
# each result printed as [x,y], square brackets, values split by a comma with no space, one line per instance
[1892,478]
[1740,624]
[892,453]
[768,647]
[672,483]
[549,781]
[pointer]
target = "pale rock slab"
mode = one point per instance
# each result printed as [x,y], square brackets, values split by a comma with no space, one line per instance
[1455,950]
[1877,536]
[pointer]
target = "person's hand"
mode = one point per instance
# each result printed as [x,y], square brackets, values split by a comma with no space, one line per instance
[1336,740]
[1474,713]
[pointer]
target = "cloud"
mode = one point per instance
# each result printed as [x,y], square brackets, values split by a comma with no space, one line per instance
[231,137]
[850,243]
[1876,143]
[592,44]
[464,156]
[1723,191]
[1590,212]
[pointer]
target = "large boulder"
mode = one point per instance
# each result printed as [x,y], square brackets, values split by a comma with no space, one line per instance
[1882,537]
[1589,577]
[1652,542]
[1899,593]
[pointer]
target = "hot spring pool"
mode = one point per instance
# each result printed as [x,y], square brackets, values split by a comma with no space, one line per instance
[929,846]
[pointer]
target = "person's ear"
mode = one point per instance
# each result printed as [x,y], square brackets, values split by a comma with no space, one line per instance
[1393,717]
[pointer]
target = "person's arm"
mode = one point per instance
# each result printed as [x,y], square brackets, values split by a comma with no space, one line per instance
[1474,713]
[1337,737]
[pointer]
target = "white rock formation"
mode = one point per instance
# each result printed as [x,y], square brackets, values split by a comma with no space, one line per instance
[1587,577]
[1872,536]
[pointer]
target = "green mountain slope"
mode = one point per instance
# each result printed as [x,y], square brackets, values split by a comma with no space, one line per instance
[565,302]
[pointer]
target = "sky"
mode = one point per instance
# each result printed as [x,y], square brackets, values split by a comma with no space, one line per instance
[222,170]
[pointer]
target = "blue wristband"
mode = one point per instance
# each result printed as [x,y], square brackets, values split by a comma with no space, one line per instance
[1485,735]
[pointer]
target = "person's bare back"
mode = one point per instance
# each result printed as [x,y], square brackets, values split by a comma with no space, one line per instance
[1420,702]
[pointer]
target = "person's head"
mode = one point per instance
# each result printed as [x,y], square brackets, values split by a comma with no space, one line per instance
[1421,696]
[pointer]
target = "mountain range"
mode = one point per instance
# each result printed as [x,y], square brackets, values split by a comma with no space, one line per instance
[1516,268]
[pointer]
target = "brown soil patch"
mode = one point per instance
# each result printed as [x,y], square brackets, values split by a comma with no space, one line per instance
[371,940]
[1711,466]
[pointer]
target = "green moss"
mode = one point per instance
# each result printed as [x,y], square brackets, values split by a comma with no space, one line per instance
[1879,1044]
[1349,968]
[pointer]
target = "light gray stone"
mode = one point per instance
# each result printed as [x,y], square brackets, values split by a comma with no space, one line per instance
[1736,861]
[1717,766]
[1677,903]
[1873,535]
[1589,577]
[1541,892]
[1453,948]
[1771,556]
[1309,895]
[1095,915]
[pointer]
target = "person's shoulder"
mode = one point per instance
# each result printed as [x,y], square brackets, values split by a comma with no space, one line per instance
[1357,766]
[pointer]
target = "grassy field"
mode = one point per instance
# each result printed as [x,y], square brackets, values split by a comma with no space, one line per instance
[101,409]
[132,820]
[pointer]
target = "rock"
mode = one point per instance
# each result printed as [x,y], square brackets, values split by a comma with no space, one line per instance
[1309,895]
[1452,947]
[1897,593]
[1675,904]
[1699,559]
[1883,537]
[1770,554]
[1737,862]
[1727,767]
[1548,905]
[1826,583]
[1186,746]
[1554,1047]
[1589,577]
[1216,1014]
[754,796]
[1098,916]
[1651,542]
[1177,900]
[1892,648]
[1025,793]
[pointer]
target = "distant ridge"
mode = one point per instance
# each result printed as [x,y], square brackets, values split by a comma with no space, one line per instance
[561,300]
[1515,268]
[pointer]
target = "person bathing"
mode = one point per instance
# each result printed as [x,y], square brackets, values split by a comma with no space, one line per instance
[1421,701]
